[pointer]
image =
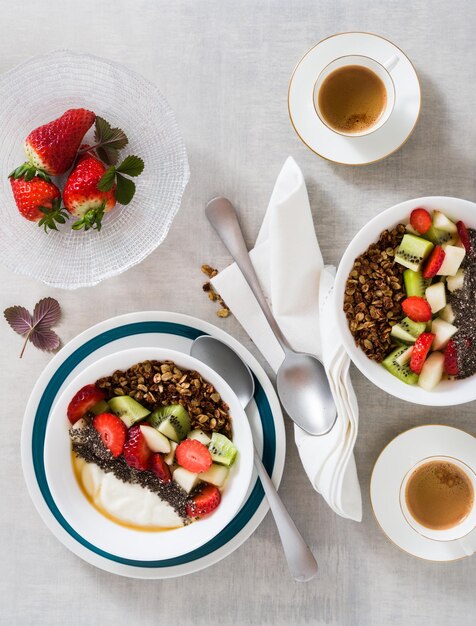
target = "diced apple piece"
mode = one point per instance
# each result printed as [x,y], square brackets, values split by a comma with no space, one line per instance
[441,222]
[156,441]
[436,296]
[432,371]
[216,475]
[443,332]
[200,436]
[455,282]
[453,258]
[409,228]
[447,314]
[170,457]
[187,480]
[79,425]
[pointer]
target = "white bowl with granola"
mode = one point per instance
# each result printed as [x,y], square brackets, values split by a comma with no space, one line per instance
[148,454]
[403,300]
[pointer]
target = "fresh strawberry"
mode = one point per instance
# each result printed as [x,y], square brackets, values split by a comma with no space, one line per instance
[83,401]
[420,350]
[204,501]
[451,359]
[420,220]
[193,456]
[160,468]
[52,147]
[136,451]
[38,200]
[417,309]
[463,235]
[113,432]
[81,195]
[435,261]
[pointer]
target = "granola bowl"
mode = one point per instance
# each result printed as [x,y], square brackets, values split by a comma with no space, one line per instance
[126,540]
[449,392]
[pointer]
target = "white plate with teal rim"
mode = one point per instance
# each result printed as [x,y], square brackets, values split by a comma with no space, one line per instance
[135,330]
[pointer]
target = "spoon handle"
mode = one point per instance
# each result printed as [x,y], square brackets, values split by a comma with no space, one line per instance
[301,561]
[222,216]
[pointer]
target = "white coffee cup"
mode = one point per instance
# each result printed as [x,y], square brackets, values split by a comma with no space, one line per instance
[465,531]
[382,70]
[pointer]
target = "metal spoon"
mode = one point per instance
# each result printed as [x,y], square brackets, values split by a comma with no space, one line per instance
[233,369]
[302,383]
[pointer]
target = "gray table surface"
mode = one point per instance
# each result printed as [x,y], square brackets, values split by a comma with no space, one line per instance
[224,66]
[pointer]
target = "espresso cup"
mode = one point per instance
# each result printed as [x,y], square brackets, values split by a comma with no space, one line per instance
[465,531]
[381,70]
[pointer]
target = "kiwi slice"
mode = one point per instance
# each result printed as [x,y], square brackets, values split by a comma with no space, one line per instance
[413,251]
[222,449]
[128,409]
[438,237]
[101,407]
[403,372]
[173,421]
[407,330]
[415,284]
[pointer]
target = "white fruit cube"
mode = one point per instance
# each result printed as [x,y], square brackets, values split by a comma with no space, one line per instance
[432,371]
[453,258]
[405,356]
[216,475]
[455,282]
[436,296]
[156,441]
[187,480]
[443,332]
[170,457]
[448,314]
[200,436]
[441,222]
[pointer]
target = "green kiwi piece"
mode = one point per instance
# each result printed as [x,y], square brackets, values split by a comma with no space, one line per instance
[173,421]
[402,372]
[101,407]
[438,237]
[222,449]
[128,409]
[407,330]
[413,251]
[415,284]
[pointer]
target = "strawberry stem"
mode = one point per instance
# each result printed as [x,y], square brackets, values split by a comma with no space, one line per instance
[26,341]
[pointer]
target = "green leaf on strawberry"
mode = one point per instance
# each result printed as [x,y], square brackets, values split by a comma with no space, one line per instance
[132,166]
[52,217]
[125,188]
[91,219]
[28,172]
[108,141]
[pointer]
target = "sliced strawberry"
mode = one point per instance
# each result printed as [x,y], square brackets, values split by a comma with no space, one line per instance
[193,456]
[204,501]
[160,468]
[136,451]
[113,432]
[420,350]
[451,358]
[463,235]
[83,401]
[417,309]
[420,219]
[434,262]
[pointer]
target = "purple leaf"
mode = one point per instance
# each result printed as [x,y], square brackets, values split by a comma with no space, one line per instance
[46,313]
[19,319]
[45,339]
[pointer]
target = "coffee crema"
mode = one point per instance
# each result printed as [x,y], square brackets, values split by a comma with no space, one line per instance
[352,99]
[439,495]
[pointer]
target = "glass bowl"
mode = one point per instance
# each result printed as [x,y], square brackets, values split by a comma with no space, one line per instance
[39,91]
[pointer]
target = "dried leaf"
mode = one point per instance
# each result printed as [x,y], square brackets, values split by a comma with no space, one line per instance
[19,319]
[36,328]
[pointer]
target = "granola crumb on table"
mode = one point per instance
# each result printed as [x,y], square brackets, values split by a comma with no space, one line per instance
[213,295]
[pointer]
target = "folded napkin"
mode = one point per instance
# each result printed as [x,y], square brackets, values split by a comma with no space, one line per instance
[289,265]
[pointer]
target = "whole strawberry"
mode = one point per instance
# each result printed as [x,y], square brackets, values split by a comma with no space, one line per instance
[52,147]
[38,200]
[81,195]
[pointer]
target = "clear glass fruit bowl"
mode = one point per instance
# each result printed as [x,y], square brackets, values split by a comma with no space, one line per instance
[39,91]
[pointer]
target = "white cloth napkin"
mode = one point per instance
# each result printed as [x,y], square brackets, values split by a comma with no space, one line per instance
[289,265]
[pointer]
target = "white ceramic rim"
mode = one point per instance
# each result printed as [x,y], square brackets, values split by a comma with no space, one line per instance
[448,392]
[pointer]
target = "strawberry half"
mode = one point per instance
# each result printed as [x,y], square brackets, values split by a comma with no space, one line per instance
[136,451]
[463,235]
[52,147]
[113,432]
[451,359]
[417,309]
[420,220]
[420,350]
[83,401]
[38,200]
[204,501]
[160,468]
[193,456]
[434,262]
[81,195]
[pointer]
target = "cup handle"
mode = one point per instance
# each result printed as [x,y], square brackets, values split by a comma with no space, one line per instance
[468,543]
[391,63]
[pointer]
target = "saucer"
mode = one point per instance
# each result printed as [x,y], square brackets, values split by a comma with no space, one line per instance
[353,150]
[400,455]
